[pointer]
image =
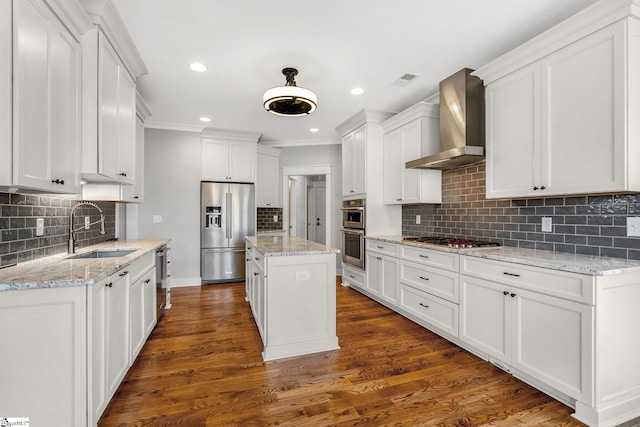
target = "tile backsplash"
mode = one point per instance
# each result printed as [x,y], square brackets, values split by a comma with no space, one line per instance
[587,224]
[265,219]
[18,214]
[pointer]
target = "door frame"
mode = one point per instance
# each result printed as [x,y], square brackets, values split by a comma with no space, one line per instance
[307,171]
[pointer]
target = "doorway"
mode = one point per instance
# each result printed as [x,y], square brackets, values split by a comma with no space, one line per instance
[307,212]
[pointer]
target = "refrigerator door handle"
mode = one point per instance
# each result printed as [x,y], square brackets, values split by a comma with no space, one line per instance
[229,214]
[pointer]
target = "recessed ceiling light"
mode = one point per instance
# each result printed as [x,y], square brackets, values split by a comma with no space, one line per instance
[196,66]
[314,130]
[357,91]
[205,119]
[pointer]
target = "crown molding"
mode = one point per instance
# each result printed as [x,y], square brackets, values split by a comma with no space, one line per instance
[142,109]
[72,15]
[183,127]
[300,142]
[231,135]
[416,111]
[104,14]
[580,25]
[362,117]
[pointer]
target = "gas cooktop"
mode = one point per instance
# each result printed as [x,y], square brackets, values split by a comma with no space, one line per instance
[452,242]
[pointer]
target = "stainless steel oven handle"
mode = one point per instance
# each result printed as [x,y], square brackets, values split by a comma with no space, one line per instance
[351,209]
[352,231]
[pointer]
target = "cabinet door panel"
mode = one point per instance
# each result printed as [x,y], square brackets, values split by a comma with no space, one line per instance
[347,165]
[411,149]
[117,332]
[553,342]
[31,154]
[513,134]
[215,160]
[584,116]
[108,88]
[126,127]
[149,297]
[360,160]
[242,160]
[98,371]
[393,168]
[65,111]
[485,320]
[374,273]
[389,285]
[268,181]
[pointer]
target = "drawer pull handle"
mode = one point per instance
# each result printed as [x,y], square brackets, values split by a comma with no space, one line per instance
[511,274]
[255,274]
[109,284]
[424,305]
[123,274]
[378,258]
[424,256]
[352,276]
[513,295]
[424,278]
[380,247]
[257,259]
[505,292]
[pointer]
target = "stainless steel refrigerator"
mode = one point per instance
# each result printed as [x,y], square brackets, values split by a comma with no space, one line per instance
[228,214]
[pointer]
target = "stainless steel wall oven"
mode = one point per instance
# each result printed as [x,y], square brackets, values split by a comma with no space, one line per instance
[353,221]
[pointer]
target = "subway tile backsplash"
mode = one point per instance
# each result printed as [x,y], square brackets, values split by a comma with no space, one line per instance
[265,219]
[589,224]
[18,214]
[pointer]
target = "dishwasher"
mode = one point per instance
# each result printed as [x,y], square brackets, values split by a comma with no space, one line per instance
[162,280]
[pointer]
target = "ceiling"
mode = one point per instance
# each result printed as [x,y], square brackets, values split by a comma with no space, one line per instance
[335,44]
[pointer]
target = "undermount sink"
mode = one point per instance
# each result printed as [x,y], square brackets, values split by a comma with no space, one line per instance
[104,253]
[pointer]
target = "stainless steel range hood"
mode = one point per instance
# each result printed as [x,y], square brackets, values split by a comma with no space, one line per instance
[461,123]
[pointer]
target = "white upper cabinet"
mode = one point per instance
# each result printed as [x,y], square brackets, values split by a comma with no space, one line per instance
[268,180]
[228,156]
[354,166]
[46,100]
[561,120]
[109,132]
[410,135]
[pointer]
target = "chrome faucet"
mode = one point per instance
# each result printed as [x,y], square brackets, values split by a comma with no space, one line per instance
[72,248]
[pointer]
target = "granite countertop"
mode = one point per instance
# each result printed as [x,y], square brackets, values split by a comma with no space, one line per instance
[61,271]
[278,230]
[573,263]
[288,246]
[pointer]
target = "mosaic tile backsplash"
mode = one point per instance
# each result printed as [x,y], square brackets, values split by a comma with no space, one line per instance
[265,219]
[18,214]
[588,224]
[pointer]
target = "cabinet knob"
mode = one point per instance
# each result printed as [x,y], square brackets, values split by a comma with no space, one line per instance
[255,274]
[513,295]
[136,197]
[535,188]
[109,284]
[122,174]
[398,200]
[58,181]
[542,187]
[505,293]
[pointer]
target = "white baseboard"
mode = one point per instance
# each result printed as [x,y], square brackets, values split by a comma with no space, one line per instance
[182,283]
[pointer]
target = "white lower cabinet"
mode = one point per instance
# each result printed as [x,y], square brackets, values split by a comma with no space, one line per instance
[533,334]
[44,355]
[382,270]
[435,312]
[353,276]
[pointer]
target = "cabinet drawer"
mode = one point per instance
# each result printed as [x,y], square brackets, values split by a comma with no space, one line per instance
[434,258]
[442,283]
[383,248]
[571,286]
[353,277]
[140,265]
[435,311]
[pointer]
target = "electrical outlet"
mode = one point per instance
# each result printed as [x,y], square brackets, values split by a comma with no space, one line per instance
[633,226]
[547,224]
[39,227]
[87,221]
[157,219]
[417,219]
[275,218]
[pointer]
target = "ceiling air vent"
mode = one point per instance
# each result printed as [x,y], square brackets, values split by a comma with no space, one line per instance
[404,79]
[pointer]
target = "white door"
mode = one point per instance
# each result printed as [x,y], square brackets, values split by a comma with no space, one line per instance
[316,212]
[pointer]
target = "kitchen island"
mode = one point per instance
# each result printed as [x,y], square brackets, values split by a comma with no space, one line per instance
[291,288]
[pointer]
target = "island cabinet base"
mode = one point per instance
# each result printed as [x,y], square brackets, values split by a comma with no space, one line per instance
[298,299]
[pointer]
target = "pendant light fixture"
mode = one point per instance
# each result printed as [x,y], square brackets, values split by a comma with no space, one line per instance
[290,100]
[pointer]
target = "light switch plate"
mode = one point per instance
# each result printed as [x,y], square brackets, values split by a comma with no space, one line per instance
[547,224]
[275,218]
[417,219]
[633,226]
[39,227]
[157,219]
[86,222]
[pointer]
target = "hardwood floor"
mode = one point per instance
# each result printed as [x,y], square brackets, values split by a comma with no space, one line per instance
[202,367]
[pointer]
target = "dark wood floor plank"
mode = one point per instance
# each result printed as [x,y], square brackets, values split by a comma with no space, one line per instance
[202,366]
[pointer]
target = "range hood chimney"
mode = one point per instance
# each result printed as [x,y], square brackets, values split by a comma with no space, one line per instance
[461,123]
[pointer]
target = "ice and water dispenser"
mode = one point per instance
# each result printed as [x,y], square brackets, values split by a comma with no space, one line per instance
[213,217]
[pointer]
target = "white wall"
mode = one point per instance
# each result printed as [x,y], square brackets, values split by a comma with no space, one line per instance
[321,155]
[172,189]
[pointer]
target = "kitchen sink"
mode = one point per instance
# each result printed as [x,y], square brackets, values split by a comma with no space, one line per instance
[104,253]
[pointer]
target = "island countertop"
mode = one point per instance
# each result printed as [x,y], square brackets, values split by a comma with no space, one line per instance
[288,246]
[61,270]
